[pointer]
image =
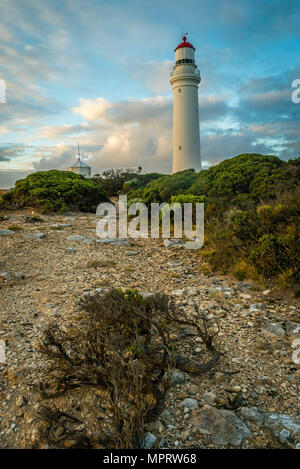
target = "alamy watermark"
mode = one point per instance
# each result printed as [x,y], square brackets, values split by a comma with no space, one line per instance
[135,221]
[295,97]
[2,92]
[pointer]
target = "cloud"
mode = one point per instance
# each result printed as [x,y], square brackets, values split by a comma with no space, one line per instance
[154,75]
[130,132]
[11,151]
[118,133]
[138,132]
[117,57]
[266,111]
[57,132]
[220,146]
[124,111]
[55,157]
[213,107]
[9,178]
[5,34]
[92,109]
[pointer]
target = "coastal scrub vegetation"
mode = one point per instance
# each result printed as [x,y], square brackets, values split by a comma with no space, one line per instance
[54,191]
[252,214]
[117,181]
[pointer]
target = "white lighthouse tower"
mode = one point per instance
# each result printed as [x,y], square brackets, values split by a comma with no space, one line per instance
[185,78]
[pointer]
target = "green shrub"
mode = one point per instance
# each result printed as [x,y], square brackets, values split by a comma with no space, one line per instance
[265,213]
[130,185]
[54,191]
[114,181]
[163,188]
[240,181]
[262,242]
[188,199]
[137,200]
[265,255]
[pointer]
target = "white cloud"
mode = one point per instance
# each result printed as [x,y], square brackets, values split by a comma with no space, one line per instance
[58,132]
[154,75]
[116,134]
[124,133]
[92,109]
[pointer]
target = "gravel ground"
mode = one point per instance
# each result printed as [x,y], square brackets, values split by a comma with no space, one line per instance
[46,267]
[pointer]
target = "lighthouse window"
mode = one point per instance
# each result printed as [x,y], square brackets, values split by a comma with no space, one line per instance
[179,91]
[185,61]
[180,148]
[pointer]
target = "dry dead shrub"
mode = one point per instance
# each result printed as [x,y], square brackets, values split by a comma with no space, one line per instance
[122,347]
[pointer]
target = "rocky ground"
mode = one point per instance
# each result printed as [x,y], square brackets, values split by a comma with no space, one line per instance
[249,400]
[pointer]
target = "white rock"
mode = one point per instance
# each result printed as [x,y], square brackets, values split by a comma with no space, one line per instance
[177,292]
[236,388]
[274,329]
[293,328]
[245,296]
[252,414]
[209,397]
[6,232]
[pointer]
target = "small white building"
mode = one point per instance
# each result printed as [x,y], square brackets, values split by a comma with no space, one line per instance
[80,167]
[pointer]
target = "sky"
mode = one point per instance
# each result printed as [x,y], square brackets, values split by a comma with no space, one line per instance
[98,72]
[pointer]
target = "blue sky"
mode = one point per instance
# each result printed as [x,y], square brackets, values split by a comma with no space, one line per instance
[98,72]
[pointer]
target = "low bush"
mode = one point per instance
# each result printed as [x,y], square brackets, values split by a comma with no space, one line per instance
[116,181]
[54,191]
[240,181]
[264,238]
[188,199]
[120,350]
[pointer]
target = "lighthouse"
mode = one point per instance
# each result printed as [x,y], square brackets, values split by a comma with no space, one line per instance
[185,78]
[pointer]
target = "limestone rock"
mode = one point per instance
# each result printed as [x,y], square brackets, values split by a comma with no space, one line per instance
[274,329]
[293,328]
[4,276]
[283,427]
[252,414]
[209,397]
[174,243]
[224,426]
[177,377]
[146,294]
[114,241]
[177,292]
[131,253]
[149,441]
[37,236]
[6,232]
[190,403]
[76,238]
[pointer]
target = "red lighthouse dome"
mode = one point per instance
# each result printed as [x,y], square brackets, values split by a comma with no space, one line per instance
[184,44]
